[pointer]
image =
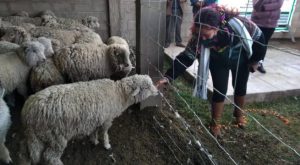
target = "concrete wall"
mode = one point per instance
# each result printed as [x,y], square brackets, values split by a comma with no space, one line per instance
[128,20]
[67,8]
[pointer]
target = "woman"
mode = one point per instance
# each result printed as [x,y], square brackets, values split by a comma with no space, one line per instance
[266,14]
[228,38]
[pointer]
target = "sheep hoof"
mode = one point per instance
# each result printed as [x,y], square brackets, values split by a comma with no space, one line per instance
[107,146]
[8,160]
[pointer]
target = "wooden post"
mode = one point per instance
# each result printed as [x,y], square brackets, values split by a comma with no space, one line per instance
[114,17]
[151,25]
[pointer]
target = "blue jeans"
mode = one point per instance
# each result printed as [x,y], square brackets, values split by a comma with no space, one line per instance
[173,23]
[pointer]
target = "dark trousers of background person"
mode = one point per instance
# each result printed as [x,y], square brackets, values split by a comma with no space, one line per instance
[173,23]
[268,32]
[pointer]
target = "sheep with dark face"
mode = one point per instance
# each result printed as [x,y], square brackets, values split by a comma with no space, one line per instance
[5,123]
[91,22]
[83,62]
[15,66]
[14,34]
[57,114]
[44,75]
[120,70]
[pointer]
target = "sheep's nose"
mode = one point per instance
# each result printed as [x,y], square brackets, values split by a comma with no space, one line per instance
[126,65]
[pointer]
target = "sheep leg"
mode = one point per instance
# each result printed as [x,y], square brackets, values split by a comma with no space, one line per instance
[107,124]
[4,153]
[94,137]
[22,90]
[35,147]
[54,151]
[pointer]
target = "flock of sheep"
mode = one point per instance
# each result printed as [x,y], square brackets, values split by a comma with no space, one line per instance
[64,71]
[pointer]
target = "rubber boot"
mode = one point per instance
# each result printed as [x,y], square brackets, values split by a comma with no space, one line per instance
[239,114]
[216,114]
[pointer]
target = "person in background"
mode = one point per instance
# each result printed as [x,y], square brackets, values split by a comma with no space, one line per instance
[266,14]
[216,30]
[174,21]
[197,4]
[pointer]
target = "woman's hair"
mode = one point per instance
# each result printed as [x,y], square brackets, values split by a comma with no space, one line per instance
[214,16]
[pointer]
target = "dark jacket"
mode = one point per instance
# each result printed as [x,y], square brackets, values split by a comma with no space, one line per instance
[266,12]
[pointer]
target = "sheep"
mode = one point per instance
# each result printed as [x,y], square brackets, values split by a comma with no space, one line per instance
[5,123]
[22,14]
[117,40]
[11,47]
[83,62]
[8,47]
[120,40]
[120,70]
[15,66]
[88,36]
[47,44]
[66,37]
[57,114]
[4,23]
[45,75]
[91,22]
[62,23]
[14,34]
[18,20]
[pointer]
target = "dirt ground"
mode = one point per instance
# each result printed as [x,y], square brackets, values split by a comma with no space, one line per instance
[135,139]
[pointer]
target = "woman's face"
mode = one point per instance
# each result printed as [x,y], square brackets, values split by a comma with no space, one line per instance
[208,32]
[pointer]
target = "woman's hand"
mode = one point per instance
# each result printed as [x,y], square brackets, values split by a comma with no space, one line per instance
[162,82]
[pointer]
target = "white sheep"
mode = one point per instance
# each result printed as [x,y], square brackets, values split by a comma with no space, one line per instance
[83,62]
[88,36]
[47,44]
[5,123]
[14,34]
[91,22]
[57,114]
[8,47]
[45,75]
[49,19]
[18,20]
[65,37]
[15,66]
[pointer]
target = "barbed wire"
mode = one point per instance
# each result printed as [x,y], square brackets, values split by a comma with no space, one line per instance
[167,144]
[187,127]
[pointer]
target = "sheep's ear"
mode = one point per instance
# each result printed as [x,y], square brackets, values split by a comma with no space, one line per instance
[136,91]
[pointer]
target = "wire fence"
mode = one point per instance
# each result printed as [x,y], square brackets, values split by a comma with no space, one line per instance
[160,45]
